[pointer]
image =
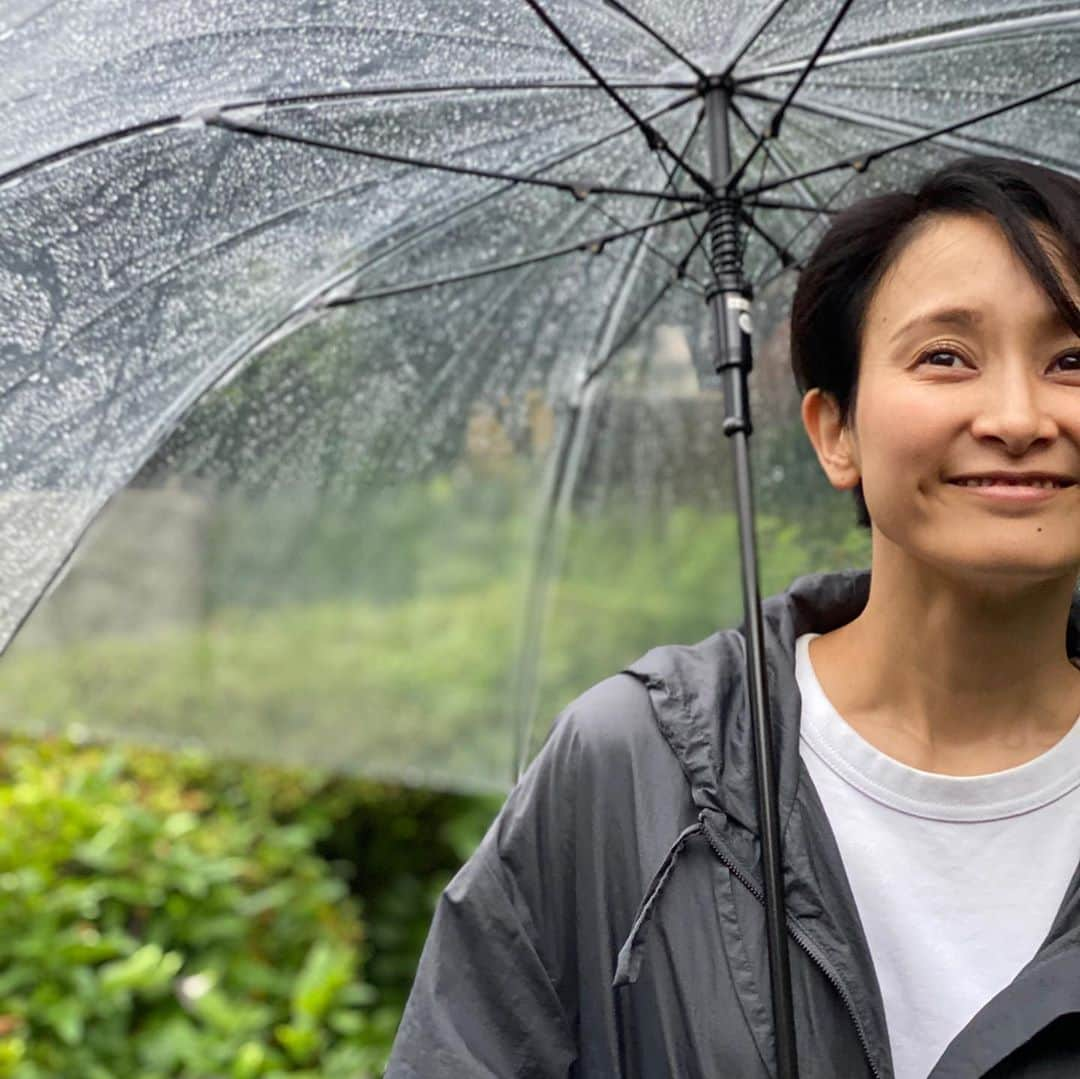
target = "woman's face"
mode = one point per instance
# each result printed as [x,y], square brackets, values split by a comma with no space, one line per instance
[966,426]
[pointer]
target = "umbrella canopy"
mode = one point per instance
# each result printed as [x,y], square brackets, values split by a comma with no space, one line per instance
[365,345]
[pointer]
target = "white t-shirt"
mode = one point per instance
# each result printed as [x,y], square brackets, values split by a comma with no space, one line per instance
[957,879]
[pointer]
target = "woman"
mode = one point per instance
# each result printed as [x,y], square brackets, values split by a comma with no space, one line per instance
[611,923]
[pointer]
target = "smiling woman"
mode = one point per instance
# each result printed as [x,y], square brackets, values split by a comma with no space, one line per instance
[959,428]
[924,716]
[969,378]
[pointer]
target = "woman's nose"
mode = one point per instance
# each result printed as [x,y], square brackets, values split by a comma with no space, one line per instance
[1014,413]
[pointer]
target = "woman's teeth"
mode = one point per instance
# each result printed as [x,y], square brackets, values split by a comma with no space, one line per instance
[1048,484]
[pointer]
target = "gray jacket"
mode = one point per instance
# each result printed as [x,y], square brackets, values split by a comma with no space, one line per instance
[611,922]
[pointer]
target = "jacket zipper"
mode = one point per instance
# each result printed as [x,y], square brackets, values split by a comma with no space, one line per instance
[803,943]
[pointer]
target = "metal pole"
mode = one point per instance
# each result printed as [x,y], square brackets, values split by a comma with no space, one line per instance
[730,303]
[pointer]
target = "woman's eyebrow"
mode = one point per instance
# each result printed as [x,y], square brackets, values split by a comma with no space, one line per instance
[963,317]
[966,318]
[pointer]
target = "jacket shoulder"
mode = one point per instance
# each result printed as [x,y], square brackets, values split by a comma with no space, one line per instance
[605,760]
[669,686]
[613,714]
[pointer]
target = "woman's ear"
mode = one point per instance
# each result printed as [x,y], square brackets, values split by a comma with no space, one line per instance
[831,439]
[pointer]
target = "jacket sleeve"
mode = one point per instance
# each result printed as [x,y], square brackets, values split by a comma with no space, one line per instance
[486,1002]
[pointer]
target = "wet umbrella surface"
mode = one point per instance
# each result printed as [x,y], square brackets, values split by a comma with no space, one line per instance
[371,350]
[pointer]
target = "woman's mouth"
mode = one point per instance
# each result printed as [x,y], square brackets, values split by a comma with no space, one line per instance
[1014,488]
[1042,484]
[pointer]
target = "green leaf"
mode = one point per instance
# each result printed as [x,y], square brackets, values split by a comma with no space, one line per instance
[299,1042]
[327,969]
[251,1061]
[147,969]
[66,1018]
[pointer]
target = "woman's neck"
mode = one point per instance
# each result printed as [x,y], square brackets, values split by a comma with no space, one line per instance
[949,676]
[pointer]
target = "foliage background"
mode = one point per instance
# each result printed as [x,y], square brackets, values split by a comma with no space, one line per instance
[165,915]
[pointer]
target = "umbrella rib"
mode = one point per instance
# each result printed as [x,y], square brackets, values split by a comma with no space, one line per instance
[595,246]
[764,20]
[656,36]
[654,138]
[578,188]
[860,162]
[788,204]
[657,253]
[619,131]
[162,123]
[35,14]
[418,89]
[763,283]
[773,130]
[412,238]
[561,159]
[994,29]
[634,326]
[679,267]
[782,253]
[772,153]
[558,490]
[862,118]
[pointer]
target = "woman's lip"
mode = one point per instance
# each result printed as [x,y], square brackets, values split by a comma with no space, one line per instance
[1011,492]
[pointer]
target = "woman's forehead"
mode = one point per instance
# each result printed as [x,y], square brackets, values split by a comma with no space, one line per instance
[960,270]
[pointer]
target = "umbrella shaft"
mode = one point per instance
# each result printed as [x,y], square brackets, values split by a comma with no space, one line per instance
[730,303]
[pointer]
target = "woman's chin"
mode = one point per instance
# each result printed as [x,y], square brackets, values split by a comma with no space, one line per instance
[1001,562]
[1007,568]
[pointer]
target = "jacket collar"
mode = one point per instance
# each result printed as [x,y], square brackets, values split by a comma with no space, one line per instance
[699,698]
[698,695]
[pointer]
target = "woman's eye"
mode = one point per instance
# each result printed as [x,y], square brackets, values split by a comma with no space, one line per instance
[1070,362]
[943,358]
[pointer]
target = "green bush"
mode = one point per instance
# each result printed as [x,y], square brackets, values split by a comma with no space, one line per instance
[164,917]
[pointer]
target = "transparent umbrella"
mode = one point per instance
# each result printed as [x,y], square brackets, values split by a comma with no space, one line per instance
[371,372]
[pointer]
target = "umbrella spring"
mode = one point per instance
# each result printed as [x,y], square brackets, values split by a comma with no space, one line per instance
[724,254]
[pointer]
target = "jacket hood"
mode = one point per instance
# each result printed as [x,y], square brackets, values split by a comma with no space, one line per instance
[692,686]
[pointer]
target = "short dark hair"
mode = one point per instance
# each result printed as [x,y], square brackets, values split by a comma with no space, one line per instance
[863,241]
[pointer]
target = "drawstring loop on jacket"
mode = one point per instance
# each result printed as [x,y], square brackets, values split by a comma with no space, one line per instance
[629,964]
